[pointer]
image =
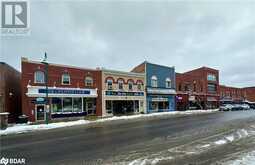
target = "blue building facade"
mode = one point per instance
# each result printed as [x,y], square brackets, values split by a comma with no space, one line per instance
[160,88]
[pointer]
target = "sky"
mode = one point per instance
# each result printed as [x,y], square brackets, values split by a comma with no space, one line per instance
[122,34]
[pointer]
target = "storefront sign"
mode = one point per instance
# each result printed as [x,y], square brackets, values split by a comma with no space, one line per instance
[159,99]
[63,91]
[192,98]
[120,93]
[161,91]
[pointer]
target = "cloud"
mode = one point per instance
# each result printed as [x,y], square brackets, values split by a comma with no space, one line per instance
[120,35]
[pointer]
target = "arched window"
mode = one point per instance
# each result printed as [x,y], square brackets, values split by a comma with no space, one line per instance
[109,84]
[65,79]
[154,81]
[88,81]
[39,77]
[130,85]
[168,83]
[120,84]
[139,86]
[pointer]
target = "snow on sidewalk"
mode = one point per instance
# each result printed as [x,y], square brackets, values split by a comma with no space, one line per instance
[22,128]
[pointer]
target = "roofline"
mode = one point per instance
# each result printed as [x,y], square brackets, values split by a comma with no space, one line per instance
[6,64]
[159,65]
[202,67]
[23,59]
[110,71]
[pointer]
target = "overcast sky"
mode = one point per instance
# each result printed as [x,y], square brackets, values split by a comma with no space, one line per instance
[120,35]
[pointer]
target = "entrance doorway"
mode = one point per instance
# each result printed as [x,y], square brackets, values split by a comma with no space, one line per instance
[40,112]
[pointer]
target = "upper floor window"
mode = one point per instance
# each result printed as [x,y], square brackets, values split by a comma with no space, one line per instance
[39,77]
[65,79]
[212,88]
[211,77]
[120,84]
[130,85]
[139,86]
[168,83]
[154,81]
[89,81]
[109,84]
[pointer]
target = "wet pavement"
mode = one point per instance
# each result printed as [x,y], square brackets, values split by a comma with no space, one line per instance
[194,139]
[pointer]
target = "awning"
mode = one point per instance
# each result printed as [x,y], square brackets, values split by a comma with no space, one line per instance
[211,99]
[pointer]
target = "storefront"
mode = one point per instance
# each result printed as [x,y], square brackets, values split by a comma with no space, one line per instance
[123,93]
[212,102]
[160,100]
[63,102]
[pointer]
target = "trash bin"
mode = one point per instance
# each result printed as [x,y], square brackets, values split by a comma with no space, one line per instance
[4,120]
[22,119]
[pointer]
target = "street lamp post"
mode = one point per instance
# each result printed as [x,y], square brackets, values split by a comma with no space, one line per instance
[46,64]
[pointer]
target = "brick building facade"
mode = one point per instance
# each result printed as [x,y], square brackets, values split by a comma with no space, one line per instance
[198,89]
[73,91]
[10,91]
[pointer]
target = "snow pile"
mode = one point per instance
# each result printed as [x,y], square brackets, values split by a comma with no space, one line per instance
[150,161]
[21,128]
[247,159]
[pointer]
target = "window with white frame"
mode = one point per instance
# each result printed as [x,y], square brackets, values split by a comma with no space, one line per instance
[168,83]
[130,85]
[39,77]
[66,79]
[109,84]
[154,81]
[139,86]
[89,81]
[211,77]
[120,84]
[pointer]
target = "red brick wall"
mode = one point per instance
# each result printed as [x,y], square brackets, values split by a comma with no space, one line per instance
[10,91]
[139,69]
[250,93]
[77,76]
[237,94]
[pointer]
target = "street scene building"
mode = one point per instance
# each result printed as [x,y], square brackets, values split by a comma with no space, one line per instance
[230,94]
[72,91]
[159,86]
[198,89]
[10,100]
[122,93]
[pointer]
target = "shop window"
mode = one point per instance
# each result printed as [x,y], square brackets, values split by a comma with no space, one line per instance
[39,77]
[66,79]
[120,84]
[89,81]
[154,81]
[56,105]
[67,104]
[130,85]
[77,104]
[109,84]
[168,83]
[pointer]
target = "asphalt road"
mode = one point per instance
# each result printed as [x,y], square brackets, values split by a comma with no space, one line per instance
[122,142]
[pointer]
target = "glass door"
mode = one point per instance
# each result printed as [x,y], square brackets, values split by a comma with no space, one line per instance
[40,112]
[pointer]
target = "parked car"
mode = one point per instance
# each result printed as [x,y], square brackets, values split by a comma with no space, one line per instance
[245,106]
[226,107]
[237,107]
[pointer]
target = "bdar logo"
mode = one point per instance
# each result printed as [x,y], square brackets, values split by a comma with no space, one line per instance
[4,161]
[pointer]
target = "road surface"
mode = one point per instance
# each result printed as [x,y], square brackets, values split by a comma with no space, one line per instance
[194,139]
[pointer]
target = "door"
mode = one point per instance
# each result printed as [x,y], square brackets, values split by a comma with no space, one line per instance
[40,112]
[90,108]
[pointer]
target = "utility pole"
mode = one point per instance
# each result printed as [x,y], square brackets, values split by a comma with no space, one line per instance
[46,64]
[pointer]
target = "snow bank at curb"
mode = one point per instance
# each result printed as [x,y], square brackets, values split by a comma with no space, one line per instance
[21,128]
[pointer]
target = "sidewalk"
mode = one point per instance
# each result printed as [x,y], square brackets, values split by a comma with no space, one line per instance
[22,128]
